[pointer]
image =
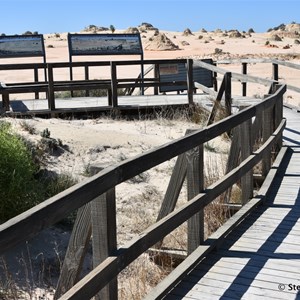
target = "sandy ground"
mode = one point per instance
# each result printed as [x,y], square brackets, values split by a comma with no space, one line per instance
[196,45]
[103,141]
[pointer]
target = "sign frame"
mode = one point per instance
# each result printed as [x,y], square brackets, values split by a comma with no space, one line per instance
[105,44]
[178,71]
[22,42]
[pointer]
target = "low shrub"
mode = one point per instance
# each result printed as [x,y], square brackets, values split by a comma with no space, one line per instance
[18,186]
[21,184]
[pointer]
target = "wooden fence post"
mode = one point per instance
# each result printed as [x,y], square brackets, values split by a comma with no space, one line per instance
[233,157]
[77,248]
[275,72]
[195,184]
[5,101]
[86,77]
[36,79]
[266,133]
[114,84]
[244,84]
[278,115]
[51,97]
[217,103]
[104,232]
[174,187]
[156,76]
[173,190]
[246,150]
[215,79]
[190,81]
[228,100]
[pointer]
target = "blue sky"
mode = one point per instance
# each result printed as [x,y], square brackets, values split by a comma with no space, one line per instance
[49,16]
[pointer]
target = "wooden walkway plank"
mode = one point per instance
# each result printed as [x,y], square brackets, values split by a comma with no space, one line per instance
[264,250]
[237,266]
[268,283]
[227,273]
[252,258]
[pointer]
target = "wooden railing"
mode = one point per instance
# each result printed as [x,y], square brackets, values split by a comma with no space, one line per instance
[111,84]
[50,84]
[95,198]
[275,70]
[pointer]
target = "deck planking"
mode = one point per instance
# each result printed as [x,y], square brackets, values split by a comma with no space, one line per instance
[124,102]
[263,252]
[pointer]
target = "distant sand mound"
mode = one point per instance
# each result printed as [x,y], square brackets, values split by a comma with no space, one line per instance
[94,28]
[132,30]
[235,34]
[292,27]
[289,30]
[187,32]
[160,42]
[144,27]
[276,37]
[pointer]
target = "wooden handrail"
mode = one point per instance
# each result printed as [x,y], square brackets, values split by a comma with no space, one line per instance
[42,216]
[235,76]
[102,274]
[54,209]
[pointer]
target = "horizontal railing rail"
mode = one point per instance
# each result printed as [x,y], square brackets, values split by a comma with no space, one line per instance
[113,82]
[31,222]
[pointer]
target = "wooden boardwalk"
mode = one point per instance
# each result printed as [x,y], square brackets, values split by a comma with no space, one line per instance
[260,259]
[40,106]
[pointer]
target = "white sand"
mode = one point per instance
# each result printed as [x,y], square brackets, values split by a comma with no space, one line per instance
[105,141]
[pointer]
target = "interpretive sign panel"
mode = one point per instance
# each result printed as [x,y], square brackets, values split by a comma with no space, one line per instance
[22,46]
[178,72]
[105,44]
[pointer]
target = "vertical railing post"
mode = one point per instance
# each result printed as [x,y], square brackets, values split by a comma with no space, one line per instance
[76,251]
[228,100]
[195,184]
[244,84]
[114,84]
[36,79]
[86,76]
[51,98]
[246,150]
[233,156]
[156,76]
[266,133]
[5,101]
[190,81]
[215,79]
[104,233]
[278,115]
[275,72]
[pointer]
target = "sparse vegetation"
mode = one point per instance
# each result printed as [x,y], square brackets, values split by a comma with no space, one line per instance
[141,206]
[187,32]
[28,127]
[279,27]
[218,51]
[20,185]
[112,28]
[82,93]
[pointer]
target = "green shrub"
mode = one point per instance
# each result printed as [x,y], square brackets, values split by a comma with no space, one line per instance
[18,186]
[57,184]
[82,93]
[22,185]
